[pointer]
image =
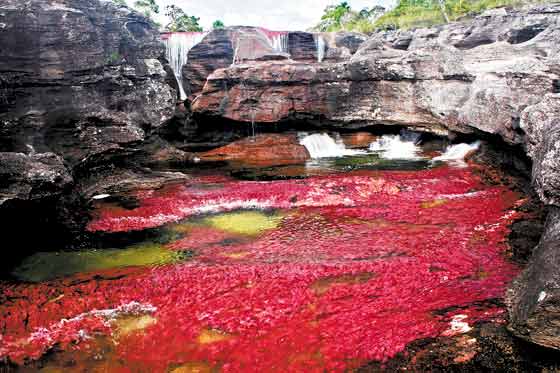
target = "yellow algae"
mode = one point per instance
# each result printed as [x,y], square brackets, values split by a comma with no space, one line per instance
[192,367]
[250,223]
[208,336]
[132,324]
[434,203]
[48,265]
[236,255]
[322,285]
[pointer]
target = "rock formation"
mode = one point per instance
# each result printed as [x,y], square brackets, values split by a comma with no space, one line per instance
[82,84]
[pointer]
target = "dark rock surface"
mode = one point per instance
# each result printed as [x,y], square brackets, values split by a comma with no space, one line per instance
[82,86]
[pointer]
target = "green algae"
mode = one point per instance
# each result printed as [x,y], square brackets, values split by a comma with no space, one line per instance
[249,223]
[49,265]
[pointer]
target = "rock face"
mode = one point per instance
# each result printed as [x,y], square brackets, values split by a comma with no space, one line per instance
[82,84]
[467,77]
[78,78]
[222,47]
[261,150]
[534,299]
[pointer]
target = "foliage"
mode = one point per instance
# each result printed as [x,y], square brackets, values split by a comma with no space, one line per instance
[425,13]
[218,24]
[120,2]
[180,21]
[406,14]
[147,7]
[341,17]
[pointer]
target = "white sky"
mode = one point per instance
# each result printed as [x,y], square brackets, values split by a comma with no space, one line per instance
[284,15]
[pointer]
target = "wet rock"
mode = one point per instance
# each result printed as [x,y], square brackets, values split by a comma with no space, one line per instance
[464,77]
[86,77]
[541,124]
[358,139]
[534,299]
[272,149]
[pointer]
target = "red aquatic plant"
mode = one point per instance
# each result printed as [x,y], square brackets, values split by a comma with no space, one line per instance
[360,265]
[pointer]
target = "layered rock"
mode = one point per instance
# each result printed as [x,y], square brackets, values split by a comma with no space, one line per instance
[82,85]
[261,150]
[223,48]
[447,78]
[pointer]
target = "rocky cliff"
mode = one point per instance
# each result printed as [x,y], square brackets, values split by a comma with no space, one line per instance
[496,76]
[82,84]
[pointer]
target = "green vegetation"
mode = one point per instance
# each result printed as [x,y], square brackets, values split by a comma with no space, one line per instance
[406,14]
[218,24]
[120,2]
[425,13]
[48,265]
[341,17]
[147,7]
[180,21]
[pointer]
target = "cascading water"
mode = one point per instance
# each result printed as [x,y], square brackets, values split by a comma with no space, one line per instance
[321,145]
[320,46]
[396,147]
[279,42]
[456,154]
[177,47]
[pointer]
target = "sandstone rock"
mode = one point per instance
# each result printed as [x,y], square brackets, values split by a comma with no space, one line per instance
[541,124]
[358,139]
[261,150]
[79,78]
[534,298]
[467,77]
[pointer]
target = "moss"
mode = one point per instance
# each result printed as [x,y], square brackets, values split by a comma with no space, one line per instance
[250,223]
[48,265]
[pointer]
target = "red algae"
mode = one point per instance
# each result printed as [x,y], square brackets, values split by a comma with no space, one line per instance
[360,265]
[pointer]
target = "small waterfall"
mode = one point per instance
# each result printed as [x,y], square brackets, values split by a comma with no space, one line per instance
[396,147]
[279,42]
[320,46]
[177,47]
[321,145]
[455,154]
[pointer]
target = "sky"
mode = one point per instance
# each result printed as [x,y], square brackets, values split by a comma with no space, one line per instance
[281,15]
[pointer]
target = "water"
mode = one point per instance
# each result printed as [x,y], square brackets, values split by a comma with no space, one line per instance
[327,269]
[456,153]
[396,147]
[177,47]
[320,46]
[279,42]
[321,145]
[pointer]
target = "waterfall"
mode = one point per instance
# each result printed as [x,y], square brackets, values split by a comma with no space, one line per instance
[321,145]
[177,47]
[396,147]
[279,42]
[456,154]
[320,46]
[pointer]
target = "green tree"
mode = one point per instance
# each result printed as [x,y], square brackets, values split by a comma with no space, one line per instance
[120,2]
[180,21]
[147,7]
[218,24]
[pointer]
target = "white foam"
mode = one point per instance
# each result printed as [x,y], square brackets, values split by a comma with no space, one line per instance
[177,47]
[321,145]
[456,154]
[394,147]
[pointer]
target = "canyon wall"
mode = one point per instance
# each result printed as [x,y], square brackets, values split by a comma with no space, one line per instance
[82,84]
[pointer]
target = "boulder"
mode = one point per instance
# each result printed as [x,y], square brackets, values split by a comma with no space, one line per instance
[261,150]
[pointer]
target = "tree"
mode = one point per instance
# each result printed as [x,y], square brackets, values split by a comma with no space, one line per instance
[218,24]
[443,11]
[147,7]
[180,21]
[120,2]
